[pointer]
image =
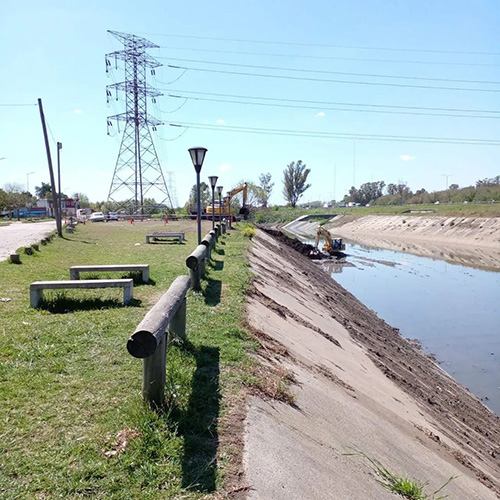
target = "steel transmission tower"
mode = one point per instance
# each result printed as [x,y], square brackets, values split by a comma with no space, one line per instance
[138,176]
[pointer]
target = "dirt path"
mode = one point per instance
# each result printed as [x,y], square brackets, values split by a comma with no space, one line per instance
[20,234]
[359,384]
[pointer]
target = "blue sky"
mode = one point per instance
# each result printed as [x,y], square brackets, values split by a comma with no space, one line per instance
[55,50]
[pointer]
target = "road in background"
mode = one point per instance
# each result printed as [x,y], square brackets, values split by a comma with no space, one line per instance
[20,234]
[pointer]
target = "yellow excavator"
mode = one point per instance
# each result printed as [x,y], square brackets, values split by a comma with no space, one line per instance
[332,245]
[225,207]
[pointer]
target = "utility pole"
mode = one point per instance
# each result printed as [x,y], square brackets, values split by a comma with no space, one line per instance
[27,181]
[354,165]
[51,170]
[447,176]
[334,183]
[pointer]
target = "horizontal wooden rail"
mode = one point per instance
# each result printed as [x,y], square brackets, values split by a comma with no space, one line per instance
[149,341]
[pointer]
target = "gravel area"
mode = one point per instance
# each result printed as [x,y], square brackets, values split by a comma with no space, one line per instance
[20,234]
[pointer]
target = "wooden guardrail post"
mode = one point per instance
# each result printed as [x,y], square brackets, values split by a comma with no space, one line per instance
[208,241]
[196,264]
[223,227]
[149,341]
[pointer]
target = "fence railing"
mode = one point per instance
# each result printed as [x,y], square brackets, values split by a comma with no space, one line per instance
[166,320]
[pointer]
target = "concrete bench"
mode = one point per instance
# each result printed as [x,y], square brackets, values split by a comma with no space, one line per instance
[74,271]
[37,288]
[156,236]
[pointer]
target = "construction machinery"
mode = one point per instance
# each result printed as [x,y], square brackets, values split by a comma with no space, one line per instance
[332,245]
[225,207]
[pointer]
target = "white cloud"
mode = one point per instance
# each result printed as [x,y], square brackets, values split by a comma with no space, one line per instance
[407,157]
[224,167]
[320,114]
[220,121]
[79,111]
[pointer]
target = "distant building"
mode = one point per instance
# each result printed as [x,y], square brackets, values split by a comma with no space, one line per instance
[34,212]
[68,206]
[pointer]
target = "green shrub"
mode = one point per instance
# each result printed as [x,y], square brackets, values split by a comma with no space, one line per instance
[248,231]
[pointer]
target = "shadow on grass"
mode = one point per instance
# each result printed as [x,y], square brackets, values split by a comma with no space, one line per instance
[134,275]
[199,424]
[153,241]
[220,251]
[213,292]
[218,265]
[137,277]
[64,305]
[65,238]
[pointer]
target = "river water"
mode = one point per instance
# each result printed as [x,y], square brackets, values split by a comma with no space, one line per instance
[454,311]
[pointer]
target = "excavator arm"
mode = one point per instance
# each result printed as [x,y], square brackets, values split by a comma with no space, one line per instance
[244,209]
[331,245]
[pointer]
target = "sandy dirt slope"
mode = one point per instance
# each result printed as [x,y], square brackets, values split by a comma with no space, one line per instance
[358,384]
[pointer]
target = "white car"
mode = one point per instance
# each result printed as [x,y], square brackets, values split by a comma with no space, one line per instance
[97,217]
[112,216]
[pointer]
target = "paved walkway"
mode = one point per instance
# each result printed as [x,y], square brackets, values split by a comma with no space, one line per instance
[20,234]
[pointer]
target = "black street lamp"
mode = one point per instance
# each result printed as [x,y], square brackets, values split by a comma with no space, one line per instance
[219,190]
[213,182]
[197,157]
[228,204]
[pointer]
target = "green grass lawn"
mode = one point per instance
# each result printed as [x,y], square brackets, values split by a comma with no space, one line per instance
[70,394]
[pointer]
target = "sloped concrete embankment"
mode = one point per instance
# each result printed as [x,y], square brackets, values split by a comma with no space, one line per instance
[358,385]
[458,240]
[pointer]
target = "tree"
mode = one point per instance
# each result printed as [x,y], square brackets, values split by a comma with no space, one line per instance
[267,186]
[294,181]
[83,200]
[3,200]
[205,194]
[44,190]
[17,198]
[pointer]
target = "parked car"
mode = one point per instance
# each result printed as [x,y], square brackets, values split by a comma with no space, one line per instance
[112,216]
[97,217]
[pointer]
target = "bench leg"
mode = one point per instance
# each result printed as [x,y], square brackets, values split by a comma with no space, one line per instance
[145,275]
[36,296]
[74,274]
[128,293]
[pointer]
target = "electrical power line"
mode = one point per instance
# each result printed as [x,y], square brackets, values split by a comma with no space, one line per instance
[390,106]
[342,73]
[308,79]
[327,108]
[328,58]
[341,135]
[350,47]
[17,105]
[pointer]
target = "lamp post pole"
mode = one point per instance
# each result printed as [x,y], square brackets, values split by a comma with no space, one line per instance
[59,204]
[219,190]
[213,182]
[27,180]
[197,157]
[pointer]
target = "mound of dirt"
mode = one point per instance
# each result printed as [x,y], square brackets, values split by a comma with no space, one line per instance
[302,248]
